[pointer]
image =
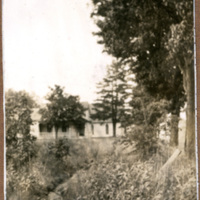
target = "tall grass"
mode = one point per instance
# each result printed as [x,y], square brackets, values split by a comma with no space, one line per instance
[118,180]
[83,170]
[55,162]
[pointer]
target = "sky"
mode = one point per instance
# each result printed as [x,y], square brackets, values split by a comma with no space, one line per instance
[50,42]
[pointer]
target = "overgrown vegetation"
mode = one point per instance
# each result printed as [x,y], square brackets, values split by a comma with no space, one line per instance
[155,39]
[152,77]
[126,178]
[53,163]
[121,168]
[81,170]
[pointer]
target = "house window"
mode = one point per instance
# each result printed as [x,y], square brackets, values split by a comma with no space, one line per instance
[82,130]
[92,126]
[45,128]
[65,128]
[42,128]
[107,129]
[49,128]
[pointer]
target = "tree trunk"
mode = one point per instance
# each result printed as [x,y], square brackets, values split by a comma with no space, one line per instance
[174,130]
[125,130]
[56,135]
[114,129]
[190,111]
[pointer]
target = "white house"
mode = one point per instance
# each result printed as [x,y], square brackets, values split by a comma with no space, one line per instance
[91,129]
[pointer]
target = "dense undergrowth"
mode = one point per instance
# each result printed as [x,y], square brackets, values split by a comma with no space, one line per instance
[53,163]
[125,179]
[90,174]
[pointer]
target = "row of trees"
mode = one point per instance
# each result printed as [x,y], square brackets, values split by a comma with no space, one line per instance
[155,39]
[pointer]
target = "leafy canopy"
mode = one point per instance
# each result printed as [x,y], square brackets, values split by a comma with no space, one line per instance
[19,141]
[62,109]
[137,33]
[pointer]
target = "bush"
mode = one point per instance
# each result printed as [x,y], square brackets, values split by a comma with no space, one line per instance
[39,175]
[84,176]
[178,181]
[147,115]
[54,163]
[115,180]
[144,140]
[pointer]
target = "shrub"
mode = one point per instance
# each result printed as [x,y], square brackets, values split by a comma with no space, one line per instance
[177,182]
[115,180]
[144,140]
[83,176]
[147,114]
[41,174]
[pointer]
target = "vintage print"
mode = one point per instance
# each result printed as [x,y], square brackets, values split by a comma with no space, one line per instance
[99,100]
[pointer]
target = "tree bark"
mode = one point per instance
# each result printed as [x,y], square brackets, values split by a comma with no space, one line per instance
[190,110]
[174,130]
[56,135]
[114,129]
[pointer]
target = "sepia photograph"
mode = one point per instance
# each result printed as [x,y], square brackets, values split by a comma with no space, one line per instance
[99,100]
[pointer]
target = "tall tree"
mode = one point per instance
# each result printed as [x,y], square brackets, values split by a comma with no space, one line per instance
[138,32]
[19,142]
[180,46]
[62,110]
[110,101]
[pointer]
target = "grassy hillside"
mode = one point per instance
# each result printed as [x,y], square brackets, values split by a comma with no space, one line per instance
[99,169]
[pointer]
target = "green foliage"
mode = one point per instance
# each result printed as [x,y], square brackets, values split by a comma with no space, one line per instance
[60,149]
[143,122]
[43,173]
[20,145]
[24,183]
[178,181]
[52,158]
[62,109]
[111,95]
[144,139]
[90,177]
[145,109]
[54,163]
[180,42]
[120,180]
[112,180]
[137,33]
[155,38]
[19,142]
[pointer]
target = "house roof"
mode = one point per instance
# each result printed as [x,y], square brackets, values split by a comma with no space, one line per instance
[36,116]
[85,104]
[92,111]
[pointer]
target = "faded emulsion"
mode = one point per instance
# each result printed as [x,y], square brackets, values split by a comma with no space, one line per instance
[99,100]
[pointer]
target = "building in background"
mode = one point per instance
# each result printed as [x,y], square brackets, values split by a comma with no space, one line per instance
[91,129]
